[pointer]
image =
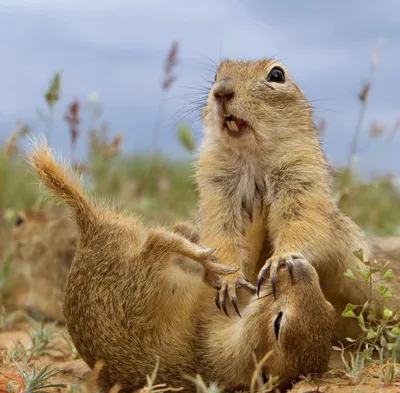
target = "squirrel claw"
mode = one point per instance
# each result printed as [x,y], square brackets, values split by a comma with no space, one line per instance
[220,301]
[235,306]
[228,289]
[271,267]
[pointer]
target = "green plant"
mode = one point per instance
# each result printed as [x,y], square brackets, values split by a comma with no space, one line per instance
[185,137]
[37,381]
[41,338]
[389,366]
[17,353]
[8,319]
[74,352]
[51,96]
[379,334]
[357,361]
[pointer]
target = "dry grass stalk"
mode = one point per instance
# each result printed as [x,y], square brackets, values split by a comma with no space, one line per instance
[11,382]
[170,64]
[346,203]
[91,380]
[99,142]
[16,133]
[11,144]
[159,388]
[201,386]
[363,97]
[321,127]
[92,387]
[376,130]
[257,377]
[52,96]
[394,130]
[72,119]
[169,78]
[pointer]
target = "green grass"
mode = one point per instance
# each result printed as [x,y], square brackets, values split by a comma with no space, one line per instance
[374,206]
[163,190]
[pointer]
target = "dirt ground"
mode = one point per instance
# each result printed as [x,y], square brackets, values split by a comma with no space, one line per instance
[74,372]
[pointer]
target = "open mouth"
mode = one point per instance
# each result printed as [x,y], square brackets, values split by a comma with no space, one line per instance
[234,126]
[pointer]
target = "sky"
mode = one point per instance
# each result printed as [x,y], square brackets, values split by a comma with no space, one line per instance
[117,48]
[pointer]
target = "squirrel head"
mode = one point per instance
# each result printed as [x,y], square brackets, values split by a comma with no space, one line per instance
[255,102]
[45,235]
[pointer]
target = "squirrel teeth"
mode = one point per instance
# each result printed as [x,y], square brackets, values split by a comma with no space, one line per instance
[232,126]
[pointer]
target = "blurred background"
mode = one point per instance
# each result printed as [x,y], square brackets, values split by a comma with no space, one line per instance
[115,50]
[116,86]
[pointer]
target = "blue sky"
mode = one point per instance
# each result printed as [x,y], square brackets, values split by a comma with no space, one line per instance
[116,48]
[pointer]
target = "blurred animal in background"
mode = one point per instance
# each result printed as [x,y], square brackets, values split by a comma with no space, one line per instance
[43,245]
[387,248]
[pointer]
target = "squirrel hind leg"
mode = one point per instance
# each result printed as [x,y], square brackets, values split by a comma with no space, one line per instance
[188,231]
[160,244]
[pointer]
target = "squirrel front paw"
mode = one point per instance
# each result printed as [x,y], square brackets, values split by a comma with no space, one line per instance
[227,285]
[273,265]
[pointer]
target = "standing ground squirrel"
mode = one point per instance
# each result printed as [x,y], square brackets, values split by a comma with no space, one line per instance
[127,301]
[261,148]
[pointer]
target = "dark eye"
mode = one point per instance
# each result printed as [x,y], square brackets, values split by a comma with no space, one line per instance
[215,78]
[277,324]
[19,220]
[276,75]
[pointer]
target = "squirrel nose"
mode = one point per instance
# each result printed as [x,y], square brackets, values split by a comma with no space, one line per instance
[224,89]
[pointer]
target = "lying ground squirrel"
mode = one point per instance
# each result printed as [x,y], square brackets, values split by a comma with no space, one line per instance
[127,301]
[43,242]
[261,147]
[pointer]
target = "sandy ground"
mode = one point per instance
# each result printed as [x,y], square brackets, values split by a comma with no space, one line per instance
[74,372]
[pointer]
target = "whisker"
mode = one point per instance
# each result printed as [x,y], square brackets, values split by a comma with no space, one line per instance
[186,113]
[261,297]
[174,124]
[209,58]
[185,96]
[206,80]
[196,87]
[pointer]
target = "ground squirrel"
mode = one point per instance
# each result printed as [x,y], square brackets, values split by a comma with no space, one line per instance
[261,147]
[43,243]
[127,302]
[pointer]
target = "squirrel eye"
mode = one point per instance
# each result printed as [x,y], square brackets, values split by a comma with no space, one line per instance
[277,324]
[19,220]
[215,79]
[276,75]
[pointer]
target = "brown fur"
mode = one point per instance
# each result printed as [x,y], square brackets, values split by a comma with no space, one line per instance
[127,302]
[276,162]
[44,242]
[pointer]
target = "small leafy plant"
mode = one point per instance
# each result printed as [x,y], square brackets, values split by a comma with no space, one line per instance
[37,381]
[41,338]
[382,334]
[17,353]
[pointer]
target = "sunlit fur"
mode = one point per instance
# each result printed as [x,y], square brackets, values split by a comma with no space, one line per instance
[127,301]
[279,163]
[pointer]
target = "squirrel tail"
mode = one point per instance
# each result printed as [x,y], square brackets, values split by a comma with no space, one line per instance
[67,188]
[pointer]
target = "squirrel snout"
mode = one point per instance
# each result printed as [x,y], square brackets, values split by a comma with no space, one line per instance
[224,89]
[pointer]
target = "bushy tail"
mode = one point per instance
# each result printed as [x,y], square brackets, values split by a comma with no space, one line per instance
[65,187]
